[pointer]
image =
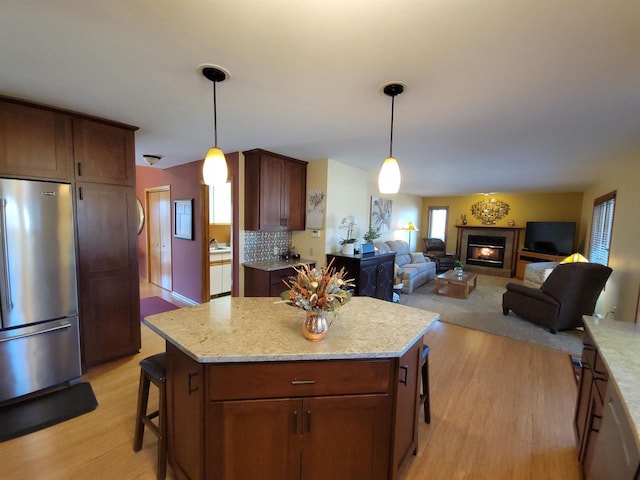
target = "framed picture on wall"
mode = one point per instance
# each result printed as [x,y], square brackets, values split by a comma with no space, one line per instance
[183,219]
[380,214]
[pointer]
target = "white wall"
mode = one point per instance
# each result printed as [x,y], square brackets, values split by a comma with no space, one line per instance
[623,288]
[405,209]
[349,192]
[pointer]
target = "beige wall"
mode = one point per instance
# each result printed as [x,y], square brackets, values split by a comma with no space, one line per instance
[622,175]
[306,245]
[531,207]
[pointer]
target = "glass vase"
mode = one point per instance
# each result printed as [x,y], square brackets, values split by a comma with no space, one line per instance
[315,326]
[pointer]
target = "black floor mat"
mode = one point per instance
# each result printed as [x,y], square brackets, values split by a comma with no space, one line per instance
[41,412]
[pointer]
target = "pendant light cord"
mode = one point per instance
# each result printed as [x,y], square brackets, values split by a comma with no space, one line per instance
[215,117]
[393,98]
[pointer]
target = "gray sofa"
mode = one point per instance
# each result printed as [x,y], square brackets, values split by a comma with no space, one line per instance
[413,269]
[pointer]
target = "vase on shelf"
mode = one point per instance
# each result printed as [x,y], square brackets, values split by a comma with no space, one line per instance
[348,248]
[315,326]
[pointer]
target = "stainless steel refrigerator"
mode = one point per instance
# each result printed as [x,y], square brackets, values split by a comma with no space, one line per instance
[39,338]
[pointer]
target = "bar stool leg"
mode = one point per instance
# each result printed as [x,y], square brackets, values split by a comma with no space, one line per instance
[162,431]
[424,398]
[143,398]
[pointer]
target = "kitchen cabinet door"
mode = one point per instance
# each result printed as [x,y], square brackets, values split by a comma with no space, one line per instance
[254,439]
[275,191]
[185,404]
[35,142]
[407,405]
[295,191]
[108,272]
[346,438]
[103,153]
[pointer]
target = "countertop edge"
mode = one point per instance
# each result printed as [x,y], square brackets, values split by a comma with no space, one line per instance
[271,266]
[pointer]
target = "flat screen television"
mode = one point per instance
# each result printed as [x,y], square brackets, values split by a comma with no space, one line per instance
[555,238]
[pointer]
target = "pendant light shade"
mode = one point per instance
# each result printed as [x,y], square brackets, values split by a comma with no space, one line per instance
[214,168]
[389,176]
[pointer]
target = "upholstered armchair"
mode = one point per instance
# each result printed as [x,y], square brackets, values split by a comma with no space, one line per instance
[570,291]
[436,250]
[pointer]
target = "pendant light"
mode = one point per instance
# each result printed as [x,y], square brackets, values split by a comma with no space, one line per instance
[214,168]
[389,177]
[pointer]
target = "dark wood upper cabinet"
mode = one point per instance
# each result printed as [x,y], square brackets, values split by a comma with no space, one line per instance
[34,142]
[275,191]
[103,153]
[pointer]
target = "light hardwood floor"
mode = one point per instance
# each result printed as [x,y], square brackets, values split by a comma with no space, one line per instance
[501,409]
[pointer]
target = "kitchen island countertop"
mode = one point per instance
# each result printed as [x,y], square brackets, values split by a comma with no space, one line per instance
[232,329]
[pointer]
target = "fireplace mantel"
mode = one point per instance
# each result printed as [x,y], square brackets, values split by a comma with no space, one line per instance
[512,235]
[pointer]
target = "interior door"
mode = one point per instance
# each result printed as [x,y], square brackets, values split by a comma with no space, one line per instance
[159,234]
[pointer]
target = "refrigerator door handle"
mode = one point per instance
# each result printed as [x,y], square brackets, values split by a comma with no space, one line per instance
[5,254]
[31,334]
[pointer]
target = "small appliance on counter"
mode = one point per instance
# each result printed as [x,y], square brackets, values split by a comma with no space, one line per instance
[290,254]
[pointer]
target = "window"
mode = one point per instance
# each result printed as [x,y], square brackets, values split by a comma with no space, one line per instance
[601,227]
[220,203]
[438,222]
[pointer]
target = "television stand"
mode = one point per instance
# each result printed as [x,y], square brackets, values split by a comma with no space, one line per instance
[526,257]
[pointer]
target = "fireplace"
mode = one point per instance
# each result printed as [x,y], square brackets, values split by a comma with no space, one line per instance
[488,249]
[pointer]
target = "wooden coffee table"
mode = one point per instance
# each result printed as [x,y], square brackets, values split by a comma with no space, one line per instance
[451,285]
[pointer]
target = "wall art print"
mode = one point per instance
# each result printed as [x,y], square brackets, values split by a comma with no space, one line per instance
[490,211]
[381,214]
[316,204]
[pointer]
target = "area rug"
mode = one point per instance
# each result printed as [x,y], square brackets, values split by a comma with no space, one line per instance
[483,311]
[153,305]
[42,412]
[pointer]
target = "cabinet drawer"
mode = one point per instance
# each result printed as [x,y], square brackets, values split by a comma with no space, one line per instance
[298,379]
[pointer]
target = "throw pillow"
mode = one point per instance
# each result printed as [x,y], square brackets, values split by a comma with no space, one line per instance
[417,258]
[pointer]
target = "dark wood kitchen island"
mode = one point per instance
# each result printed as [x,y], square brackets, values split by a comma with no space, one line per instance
[250,397]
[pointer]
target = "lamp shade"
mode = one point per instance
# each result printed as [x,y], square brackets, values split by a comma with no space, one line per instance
[410,226]
[389,177]
[214,169]
[574,258]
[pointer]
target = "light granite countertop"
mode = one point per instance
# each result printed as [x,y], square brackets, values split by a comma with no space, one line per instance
[619,345]
[234,329]
[270,265]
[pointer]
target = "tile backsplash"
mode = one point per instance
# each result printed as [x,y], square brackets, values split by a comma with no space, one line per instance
[259,246]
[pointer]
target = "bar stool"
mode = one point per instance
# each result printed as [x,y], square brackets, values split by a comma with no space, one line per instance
[424,397]
[153,370]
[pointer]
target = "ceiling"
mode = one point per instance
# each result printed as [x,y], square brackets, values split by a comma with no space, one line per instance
[502,95]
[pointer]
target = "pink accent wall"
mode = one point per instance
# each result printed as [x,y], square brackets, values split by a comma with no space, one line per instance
[185,182]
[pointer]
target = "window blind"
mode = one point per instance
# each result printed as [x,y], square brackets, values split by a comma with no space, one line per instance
[601,228]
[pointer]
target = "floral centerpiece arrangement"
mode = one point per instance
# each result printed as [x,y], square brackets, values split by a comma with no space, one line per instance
[317,291]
